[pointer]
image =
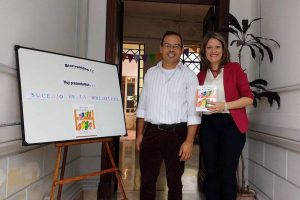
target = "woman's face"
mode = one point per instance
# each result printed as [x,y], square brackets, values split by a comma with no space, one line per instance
[214,51]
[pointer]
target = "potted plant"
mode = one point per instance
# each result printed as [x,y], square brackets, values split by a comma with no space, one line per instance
[257,45]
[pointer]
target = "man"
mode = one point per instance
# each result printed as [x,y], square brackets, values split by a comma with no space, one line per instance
[167,119]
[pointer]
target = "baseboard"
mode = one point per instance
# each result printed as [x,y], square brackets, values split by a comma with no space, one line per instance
[90,184]
[73,192]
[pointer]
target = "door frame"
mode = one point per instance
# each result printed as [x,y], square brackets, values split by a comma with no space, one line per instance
[113,54]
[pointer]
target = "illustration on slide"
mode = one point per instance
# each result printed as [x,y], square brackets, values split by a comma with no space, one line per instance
[84,121]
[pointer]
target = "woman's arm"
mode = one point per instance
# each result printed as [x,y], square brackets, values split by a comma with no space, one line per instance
[242,102]
[239,103]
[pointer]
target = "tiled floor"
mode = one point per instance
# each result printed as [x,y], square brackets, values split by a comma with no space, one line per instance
[130,135]
[129,167]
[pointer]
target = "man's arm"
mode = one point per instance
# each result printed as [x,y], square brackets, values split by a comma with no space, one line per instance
[140,132]
[140,114]
[186,149]
[193,118]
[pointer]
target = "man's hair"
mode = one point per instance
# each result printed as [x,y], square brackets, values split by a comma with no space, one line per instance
[226,55]
[171,33]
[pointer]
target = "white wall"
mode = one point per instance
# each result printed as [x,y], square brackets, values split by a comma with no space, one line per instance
[245,10]
[130,68]
[96,30]
[54,25]
[90,153]
[274,136]
[283,73]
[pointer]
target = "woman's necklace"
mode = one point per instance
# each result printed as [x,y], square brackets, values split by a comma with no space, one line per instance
[215,72]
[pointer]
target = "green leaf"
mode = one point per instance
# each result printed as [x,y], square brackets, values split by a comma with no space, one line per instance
[259,87]
[258,42]
[234,32]
[233,41]
[261,51]
[270,40]
[253,54]
[246,29]
[271,96]
[254,103]
[268,49]
[234,22]
[259,82]
[245,25]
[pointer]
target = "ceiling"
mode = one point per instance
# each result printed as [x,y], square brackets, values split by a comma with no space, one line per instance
[168,11]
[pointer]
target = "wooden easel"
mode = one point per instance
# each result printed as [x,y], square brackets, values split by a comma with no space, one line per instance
[61,180]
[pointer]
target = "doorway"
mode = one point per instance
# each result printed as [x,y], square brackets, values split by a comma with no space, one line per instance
[114,39]
[144,24]
[132,82]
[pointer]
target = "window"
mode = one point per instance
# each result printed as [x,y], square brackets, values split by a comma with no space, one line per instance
[132,74]
[192,58]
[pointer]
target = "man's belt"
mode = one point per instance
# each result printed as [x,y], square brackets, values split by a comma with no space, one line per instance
[166,126]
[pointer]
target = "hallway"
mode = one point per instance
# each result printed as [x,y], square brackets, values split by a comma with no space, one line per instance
[129,167]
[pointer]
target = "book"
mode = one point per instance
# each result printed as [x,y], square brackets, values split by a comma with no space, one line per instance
[205,94]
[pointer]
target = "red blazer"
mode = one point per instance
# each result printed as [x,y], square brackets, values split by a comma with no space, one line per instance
[235,86]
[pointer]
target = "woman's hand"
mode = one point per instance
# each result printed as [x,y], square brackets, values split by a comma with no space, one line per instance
[216,107]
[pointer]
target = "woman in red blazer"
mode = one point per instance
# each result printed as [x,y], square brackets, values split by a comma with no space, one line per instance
[223,126]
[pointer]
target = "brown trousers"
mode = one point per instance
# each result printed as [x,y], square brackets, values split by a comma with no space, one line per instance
[161,145]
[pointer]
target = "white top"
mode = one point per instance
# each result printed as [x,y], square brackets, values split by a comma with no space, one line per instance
[169,98]
[218,81]
[168,72]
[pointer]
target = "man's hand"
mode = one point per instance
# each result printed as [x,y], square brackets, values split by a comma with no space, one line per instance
[140,123]
[186,150]
[138,141]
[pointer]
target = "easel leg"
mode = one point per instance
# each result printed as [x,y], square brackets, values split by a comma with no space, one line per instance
[116,170]
[60,181]
[62,171]
[58,157]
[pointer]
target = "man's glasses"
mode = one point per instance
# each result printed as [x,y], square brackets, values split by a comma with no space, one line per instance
[170,46]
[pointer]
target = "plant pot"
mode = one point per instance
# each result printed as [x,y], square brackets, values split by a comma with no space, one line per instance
[246,196]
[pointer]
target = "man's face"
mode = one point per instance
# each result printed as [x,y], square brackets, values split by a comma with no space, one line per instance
[171,50]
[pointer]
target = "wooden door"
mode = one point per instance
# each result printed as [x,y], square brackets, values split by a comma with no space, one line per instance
[113,54]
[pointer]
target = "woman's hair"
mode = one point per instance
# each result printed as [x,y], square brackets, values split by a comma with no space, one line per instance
[205,64]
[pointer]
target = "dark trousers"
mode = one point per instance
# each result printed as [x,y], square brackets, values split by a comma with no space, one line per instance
[221,144]
[157,146]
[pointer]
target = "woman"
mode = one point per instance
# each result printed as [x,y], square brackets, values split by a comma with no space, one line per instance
[223,127]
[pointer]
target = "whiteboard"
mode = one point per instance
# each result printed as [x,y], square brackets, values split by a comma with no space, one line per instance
[67,98]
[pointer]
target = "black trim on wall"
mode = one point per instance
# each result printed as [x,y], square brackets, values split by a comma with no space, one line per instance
[201,2]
